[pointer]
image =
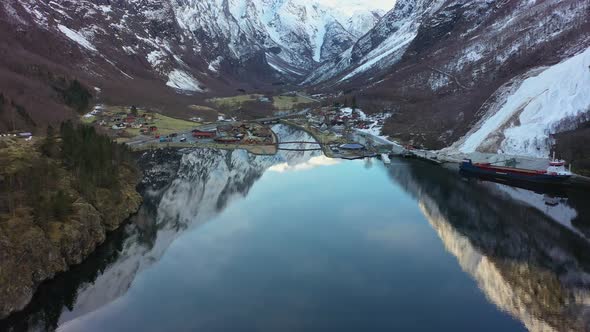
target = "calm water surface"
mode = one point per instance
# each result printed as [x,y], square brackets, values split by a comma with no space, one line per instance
[299,242]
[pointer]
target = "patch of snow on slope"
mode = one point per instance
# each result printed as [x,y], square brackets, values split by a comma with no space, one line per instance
[214,65]
[13,13]
[362,21]
[39,16]
[280,66]
[105,9]
[129,50]
[155,58]
[397,42]
[276,67]
[330,69]
[536,107]
[181,80]
[561,213]
[374,122]
[77,37]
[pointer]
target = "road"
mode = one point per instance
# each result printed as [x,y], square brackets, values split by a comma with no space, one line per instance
[284,116]
[308,97]
[395,148]
[206,127]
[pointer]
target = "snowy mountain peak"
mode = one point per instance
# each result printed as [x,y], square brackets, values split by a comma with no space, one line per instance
[293,30]
[185,43]
[362,21]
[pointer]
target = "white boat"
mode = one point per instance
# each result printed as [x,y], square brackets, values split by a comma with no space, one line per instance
[385,158]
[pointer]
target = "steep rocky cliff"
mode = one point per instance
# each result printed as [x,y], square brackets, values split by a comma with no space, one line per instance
[533,266]
[34,249]
[165,54]
[441,65]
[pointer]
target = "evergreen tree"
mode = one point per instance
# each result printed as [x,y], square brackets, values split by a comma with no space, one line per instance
[77,96]
[61,205]
[49,147]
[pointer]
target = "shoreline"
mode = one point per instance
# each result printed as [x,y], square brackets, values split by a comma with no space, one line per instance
[35,247]
[16,310]
[91,234]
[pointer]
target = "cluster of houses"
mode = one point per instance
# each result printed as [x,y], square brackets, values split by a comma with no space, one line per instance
[243,133]
[122,120]
[23,135]
[338,120]
[95,111]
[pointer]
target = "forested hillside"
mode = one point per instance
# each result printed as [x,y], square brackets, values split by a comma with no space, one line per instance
[59,196]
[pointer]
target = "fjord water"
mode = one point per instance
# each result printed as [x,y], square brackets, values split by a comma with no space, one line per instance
[300,242]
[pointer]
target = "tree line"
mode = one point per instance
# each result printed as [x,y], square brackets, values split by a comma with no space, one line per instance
[72,163]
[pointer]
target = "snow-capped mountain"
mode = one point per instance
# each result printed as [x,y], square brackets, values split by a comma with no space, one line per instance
[507,257]
[382,46]
[187,39]
[441,65]
[294,30]
[203,183]
[160,52]
[362,21]
[543,102]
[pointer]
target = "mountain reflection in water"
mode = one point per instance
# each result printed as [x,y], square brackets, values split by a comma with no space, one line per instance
[201,184]
[530,259]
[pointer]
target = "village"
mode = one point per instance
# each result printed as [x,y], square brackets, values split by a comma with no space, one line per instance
[336,131]
[141,129]
[340,132]
[345,132]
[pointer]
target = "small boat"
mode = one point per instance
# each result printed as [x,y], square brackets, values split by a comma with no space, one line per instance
[551,200]
[385,158]
[556,173]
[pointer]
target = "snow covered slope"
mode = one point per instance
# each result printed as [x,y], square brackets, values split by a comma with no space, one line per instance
[362,21]
[435,63]
[506,256]
[159,53]
[432,64]
[380,47]
[205,183]
[522,123]
[191,46]
[301,33]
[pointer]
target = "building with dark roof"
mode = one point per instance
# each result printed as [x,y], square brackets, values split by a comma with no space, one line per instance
[352,146]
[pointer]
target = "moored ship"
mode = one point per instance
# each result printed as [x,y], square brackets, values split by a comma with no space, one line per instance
[556,173]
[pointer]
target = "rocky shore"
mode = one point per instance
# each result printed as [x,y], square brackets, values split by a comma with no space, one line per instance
[32,251]
[30,254]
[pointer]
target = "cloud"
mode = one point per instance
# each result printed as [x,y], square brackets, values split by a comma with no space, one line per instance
[310,164]
[350,6]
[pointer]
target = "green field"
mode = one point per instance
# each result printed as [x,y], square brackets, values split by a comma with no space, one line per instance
[202,108]
[166,125]
[235,101]
[88,120]
[284,103]
[281,103]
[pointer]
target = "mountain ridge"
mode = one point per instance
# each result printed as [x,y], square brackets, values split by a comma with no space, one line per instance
[438,65]
[167,54]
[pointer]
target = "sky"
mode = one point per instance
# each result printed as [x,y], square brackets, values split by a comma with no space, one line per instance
[349,6]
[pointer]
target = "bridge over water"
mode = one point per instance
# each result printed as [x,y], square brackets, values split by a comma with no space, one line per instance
[300,142]
[319,148]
